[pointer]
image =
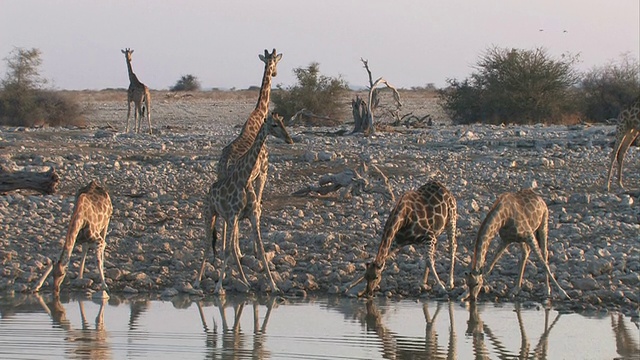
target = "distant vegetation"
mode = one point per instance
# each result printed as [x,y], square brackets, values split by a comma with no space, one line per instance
[186,83]
[529,86]
[24,100]
[318,94]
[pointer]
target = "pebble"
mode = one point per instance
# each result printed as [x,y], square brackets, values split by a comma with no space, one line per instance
[156,242]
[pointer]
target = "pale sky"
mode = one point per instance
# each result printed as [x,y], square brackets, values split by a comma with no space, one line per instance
[408,42]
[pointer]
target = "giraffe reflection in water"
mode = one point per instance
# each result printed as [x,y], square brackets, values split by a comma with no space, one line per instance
[478,330]
[91,343]
[395,346]
[626,340]
[235,343]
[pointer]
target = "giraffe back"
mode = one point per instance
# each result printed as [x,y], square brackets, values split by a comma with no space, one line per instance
[428,210]
[92,212]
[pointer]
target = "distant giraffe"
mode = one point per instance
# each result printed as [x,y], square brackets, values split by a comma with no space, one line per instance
[521,218]
[228,197]
[419,216]
[234,150]
[88,227]
[627,131]
[137,93]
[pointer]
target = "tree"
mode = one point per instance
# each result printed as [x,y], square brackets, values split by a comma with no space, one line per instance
[314,94]
[514,86]
[186,83]
[606,90]
[23,99]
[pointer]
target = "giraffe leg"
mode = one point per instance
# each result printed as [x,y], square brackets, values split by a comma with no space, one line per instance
[235,237]
[629,138]
[431,264]
[219,290]
[453,245]
[85,250]
[541,236]
[210,236]
[129,115]
[100,259]
[147,102]
[523,264]
[538,254]
[499,252]
[260,250]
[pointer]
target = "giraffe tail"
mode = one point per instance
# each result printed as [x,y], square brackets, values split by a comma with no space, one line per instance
[214,236]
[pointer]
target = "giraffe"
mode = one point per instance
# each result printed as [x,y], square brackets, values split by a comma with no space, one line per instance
[627,131]
[521,217]
[229,197]
[234,150]
[419,216]
[137,93]
[88,227]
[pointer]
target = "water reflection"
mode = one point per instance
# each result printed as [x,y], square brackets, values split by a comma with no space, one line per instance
[234,344]
[89,343]
[626,341]
[240,327]
[398,347]
[477,329]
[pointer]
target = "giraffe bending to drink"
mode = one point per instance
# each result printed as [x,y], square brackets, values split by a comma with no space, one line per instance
[419,216]
[137,93]
[88,227]
[228,197]
[521,218]
[627,131]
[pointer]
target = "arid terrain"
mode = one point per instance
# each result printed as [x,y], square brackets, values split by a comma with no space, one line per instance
[319,243]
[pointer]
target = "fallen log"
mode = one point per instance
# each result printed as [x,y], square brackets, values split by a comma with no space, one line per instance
[43,182]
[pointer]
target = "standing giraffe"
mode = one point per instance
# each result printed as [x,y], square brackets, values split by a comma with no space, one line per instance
[88,227]
[521,218]
[626,132]
[229,197]
[234,150]
[419,216]
[137,93]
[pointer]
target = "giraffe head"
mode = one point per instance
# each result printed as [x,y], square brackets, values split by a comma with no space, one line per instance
[59,272]
[271,60]
[277,128]
[373,275]
[474,284]
[127,53]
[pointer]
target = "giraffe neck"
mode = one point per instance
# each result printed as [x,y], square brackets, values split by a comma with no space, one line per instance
[488,230]
[245,164]
[72,233]
[391,227]
[256,119]
[133,79]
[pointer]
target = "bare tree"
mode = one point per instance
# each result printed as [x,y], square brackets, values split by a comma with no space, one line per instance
[363,110]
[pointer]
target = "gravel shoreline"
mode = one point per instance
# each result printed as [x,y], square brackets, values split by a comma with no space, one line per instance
[320,244]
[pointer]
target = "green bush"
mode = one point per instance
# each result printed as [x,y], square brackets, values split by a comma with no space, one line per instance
[607,90]
[514,86]
[186,83]
[314,92]
[24,102]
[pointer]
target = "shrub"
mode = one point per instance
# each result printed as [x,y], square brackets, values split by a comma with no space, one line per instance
[314,92]
[186,83]
[24,102]
[606,90]
[513,86]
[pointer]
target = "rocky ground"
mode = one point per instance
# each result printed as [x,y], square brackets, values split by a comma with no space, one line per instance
[319,244]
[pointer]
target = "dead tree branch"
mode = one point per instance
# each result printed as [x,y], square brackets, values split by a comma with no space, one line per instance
[43,182]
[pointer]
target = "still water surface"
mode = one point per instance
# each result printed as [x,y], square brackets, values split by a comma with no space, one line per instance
[37,327]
